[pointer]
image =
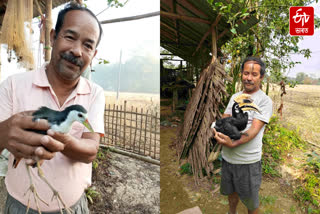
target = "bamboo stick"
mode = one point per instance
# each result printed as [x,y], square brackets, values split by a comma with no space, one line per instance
[116,129]
[124,124]
[131,128]
[145,133]
[151,119]
[131,18]
[48,30]
[135,133]
[113,140]
[141,118]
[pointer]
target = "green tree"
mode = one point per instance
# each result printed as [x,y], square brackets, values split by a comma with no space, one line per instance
[300,77]
[269,39]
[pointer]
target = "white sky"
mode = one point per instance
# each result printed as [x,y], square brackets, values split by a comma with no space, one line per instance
[309,66]
[134,38]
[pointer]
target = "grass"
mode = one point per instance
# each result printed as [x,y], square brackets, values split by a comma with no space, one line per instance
[267,200]
[278,142]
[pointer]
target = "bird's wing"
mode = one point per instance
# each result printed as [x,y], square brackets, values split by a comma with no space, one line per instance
[53,117]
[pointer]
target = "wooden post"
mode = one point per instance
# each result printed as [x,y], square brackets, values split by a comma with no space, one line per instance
[0,61]
[145,133]
[124,124]
[155,135]
[47,30]
[214,43]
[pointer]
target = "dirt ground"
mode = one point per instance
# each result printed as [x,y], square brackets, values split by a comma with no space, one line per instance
[125,185]
[179,192]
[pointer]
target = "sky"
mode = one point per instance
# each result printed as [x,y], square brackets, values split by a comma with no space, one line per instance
[309,66]
[133,38]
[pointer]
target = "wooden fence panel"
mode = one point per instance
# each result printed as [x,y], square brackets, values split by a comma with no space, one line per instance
[132,130]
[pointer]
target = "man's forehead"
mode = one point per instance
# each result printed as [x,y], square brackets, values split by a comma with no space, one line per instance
[251,66]
[81,18]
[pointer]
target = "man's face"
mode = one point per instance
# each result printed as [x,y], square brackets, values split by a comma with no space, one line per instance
[75,45]
[251,77]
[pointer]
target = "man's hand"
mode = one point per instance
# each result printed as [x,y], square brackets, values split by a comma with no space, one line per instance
[83,150]
[22,143]
[223,139]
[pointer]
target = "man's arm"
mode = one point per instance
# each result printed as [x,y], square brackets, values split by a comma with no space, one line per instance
[251,133]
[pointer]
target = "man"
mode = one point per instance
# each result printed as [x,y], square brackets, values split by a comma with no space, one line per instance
[56,85]
[241,164]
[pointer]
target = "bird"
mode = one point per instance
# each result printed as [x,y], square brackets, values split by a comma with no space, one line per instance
[59,121]
[237,122]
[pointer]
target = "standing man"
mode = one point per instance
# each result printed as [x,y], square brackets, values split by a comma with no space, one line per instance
[56,85]
[241,164]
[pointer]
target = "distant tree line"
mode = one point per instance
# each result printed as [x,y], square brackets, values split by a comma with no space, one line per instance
[303,78]
[140,74]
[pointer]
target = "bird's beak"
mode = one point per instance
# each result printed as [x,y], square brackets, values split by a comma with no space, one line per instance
[87,125]
[249,107]
[243,98]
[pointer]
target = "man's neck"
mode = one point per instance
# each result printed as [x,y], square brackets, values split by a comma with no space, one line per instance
[250,92]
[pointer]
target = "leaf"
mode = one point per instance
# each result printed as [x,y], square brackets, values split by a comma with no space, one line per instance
[244,14]
[233,30]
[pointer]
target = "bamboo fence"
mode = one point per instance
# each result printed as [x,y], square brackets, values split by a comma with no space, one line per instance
[133,130]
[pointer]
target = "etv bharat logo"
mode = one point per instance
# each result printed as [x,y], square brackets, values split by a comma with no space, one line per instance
[301,21]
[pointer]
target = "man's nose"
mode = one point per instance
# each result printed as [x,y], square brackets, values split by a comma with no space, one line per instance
[76,49]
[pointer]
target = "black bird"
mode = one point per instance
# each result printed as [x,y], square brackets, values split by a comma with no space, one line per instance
[232,126]
[59,122]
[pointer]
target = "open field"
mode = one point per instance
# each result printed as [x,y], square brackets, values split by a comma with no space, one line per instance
[149,102]
[301,109]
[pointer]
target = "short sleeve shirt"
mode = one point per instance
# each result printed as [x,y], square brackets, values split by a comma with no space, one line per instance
[251,151]
[29,91]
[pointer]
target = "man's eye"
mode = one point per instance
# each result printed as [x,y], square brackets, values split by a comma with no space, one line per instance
[69,37]
[88,46]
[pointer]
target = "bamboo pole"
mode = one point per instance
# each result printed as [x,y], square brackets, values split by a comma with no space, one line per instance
[147,15]
[131,113]
[155,135]
[151,119]
[141,118]
[112,122]
[124,124]
[139,157]
[135,133]
[121,143]
[145,133]
[116,129]
[48,27]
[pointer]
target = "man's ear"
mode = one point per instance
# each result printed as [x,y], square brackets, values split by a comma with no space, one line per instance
[95,53]
[52,36]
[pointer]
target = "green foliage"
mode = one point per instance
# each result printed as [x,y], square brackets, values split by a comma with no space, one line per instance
[91,194]
[116,3]
[186,169]
[267,200]
[310,188]
[269,39]
[103,61]
[277,142]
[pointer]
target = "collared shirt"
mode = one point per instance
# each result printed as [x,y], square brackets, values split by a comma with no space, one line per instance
[251,151]
[29,91]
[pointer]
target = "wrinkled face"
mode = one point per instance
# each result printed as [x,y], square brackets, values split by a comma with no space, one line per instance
[75,45]
[251,77]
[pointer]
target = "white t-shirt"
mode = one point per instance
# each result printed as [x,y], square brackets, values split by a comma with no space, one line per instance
[251,151]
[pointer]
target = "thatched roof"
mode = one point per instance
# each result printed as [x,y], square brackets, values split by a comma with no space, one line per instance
[42,4]
[181,34]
